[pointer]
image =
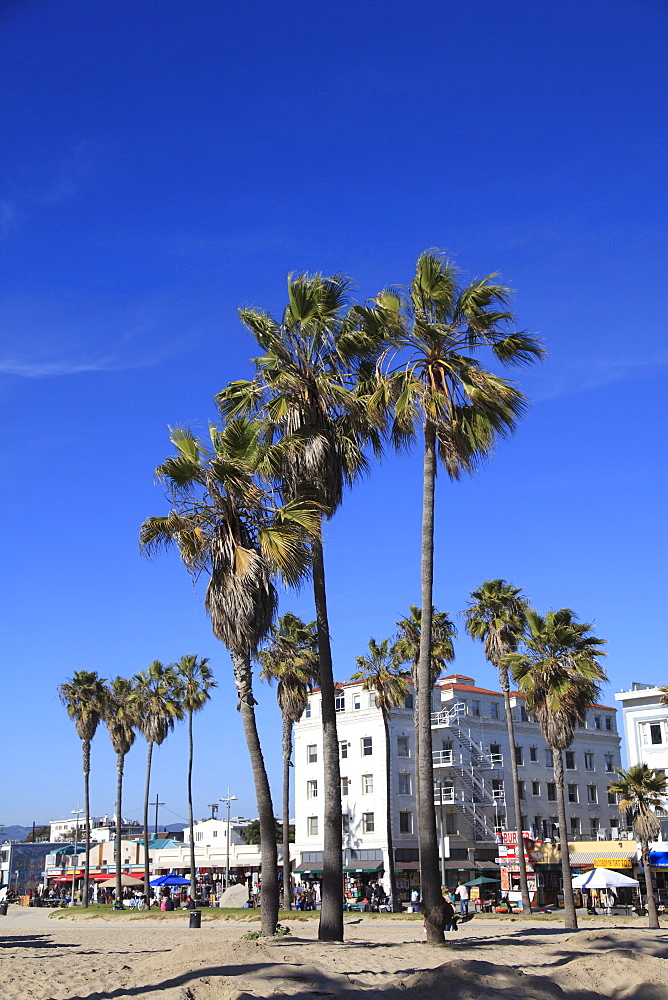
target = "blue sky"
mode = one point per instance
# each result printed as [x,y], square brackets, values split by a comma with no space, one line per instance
[166,162]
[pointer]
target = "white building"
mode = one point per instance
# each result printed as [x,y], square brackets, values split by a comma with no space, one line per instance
[646,730]
[102,828]
[213,832]
[473,787]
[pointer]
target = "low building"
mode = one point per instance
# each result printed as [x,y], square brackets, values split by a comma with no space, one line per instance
[22,866]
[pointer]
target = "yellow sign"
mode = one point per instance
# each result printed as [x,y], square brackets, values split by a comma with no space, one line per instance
[613,863]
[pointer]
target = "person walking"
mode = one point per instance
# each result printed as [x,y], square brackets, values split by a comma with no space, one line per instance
[462,894]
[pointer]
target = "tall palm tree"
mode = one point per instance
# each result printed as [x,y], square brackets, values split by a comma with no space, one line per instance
[159,699]
[642,790]
[121,720]
[196,680]
[290,656]
[229,525]
[379,672]
[497,617]
[560,675]
[438,384]
[309,390]
[84,698]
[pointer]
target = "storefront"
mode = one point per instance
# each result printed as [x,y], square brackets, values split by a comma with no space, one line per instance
[658,862]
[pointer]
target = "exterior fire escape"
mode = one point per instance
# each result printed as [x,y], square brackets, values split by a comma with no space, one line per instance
[468,778]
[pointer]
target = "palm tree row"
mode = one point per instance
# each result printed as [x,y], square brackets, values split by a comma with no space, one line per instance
[151,702]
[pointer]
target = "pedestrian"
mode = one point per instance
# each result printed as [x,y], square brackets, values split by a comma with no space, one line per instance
[462,893]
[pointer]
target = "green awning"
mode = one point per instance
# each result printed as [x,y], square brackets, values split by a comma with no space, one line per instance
[364,866]
[306,868]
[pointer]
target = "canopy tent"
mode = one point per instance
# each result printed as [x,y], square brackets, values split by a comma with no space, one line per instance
[602,878]
[126,880]
[481,880]
[170,880]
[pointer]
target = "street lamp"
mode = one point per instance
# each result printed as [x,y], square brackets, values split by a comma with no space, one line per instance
[228,799]
[75,812]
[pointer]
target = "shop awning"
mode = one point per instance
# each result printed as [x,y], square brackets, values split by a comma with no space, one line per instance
[658,859]
[307,869]
[590,859]
[363,866]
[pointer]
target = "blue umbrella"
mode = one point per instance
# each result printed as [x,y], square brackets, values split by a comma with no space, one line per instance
[170,880]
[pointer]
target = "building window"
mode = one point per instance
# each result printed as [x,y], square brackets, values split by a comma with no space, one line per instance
[405,784]
[652,734]
[597,722]
[405,822]
[533,755]
[494,709]
[592,793]
[357,702]
[589,761]
[494,749]
[311,789]
[367,784]
[343,747]
[367,746]
[312,754]
[409,701]
[593,825]
[551,791]
[535,787]
[572,793]
[522,713]
[608,762]
[520,785]
[339,702]
[451,823]
[575,826]
[367,822]
[519,757]
[549,758]
[345,782]
[307,710]
[345,823]
[403,746]
[608,723]
[372,699]
[475,708]
[215,833]
[570,760]
[312,826]
[498,788]
[199,836]
[612,799]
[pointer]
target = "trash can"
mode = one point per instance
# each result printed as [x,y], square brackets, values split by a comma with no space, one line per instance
[3,909]
[195,919]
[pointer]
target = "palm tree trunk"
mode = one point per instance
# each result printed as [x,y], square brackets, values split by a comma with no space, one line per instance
[430,876]
[287,867]
[147,888]
[193,873]
[120,760]
[396,906]
[652,912]
[331,914]
[86,771]
[243,679]
[570,917]
[524,885]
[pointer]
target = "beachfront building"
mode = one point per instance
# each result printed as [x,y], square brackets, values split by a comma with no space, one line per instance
[102,829]
[472,786]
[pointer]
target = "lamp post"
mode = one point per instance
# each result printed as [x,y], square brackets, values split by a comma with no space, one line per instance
[75,812]
[228,799]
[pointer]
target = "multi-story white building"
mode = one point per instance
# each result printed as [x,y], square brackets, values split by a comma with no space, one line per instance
[472,789]
[102,828]
[646,731]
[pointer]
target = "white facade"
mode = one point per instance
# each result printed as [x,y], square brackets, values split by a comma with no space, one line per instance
[102,828]
[646,730]
[213,832]
[473,787]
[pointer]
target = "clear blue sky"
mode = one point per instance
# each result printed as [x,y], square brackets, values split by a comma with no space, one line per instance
[165,162]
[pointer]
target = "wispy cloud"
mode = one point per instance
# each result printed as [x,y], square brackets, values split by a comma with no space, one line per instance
[586,376]
[54,369]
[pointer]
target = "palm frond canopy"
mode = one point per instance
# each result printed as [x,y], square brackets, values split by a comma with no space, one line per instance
[559,672]
[431,372]
[84,697]
[310,386]
[380,672]
[443,632]
[227,523]
[158,697]
[642,791]
[290,656]
[121,714]
[196,679]
[497,617]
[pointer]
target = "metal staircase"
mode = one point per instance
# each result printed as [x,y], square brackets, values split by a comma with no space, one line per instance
[468,791]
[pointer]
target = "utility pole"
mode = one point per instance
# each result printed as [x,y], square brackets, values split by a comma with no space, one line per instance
[228,799]
[156,804]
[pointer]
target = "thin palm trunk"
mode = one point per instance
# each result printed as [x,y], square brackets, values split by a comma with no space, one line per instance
[570,917]
[331,914]
[430,876]
[287,867]
[652,912]
[396,906]
[193,873]
[243,679]
[147,888]
[524,884]
[120,761]
[86,771]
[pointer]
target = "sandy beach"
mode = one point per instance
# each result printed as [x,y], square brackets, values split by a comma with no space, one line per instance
[66,957]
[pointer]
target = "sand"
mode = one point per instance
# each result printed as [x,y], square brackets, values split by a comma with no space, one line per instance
[70,958]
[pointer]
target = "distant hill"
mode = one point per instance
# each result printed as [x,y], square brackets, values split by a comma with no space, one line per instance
[176,827]
[18,832]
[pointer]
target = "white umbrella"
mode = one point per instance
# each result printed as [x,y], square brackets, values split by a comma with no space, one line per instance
[602,878]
